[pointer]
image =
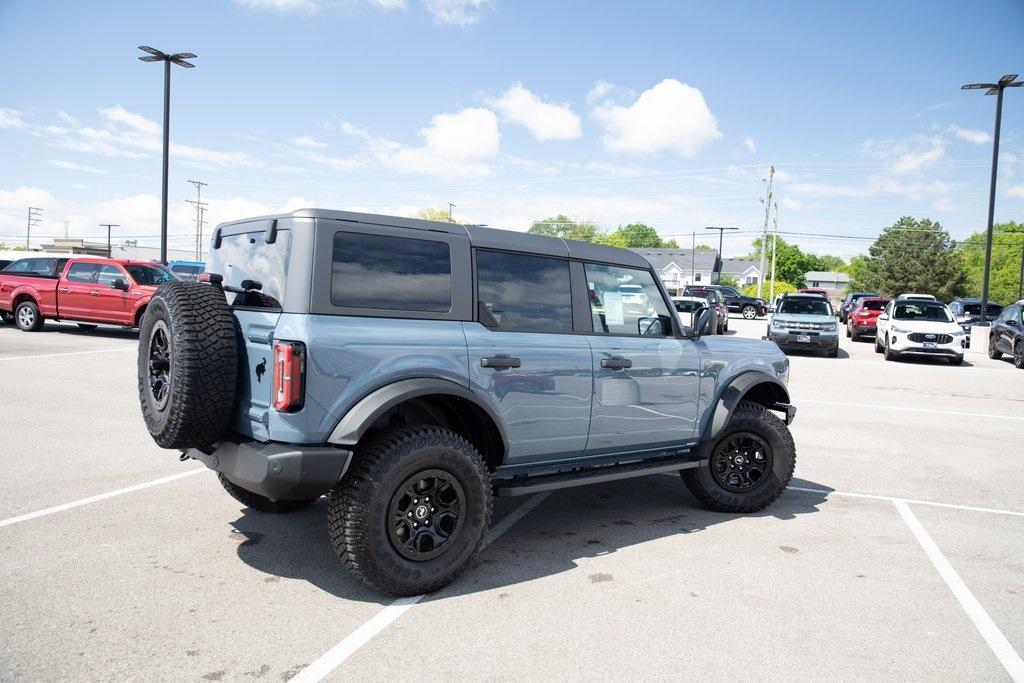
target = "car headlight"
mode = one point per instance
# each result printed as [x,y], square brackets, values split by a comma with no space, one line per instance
[898,330]
[959,333]
[832,327]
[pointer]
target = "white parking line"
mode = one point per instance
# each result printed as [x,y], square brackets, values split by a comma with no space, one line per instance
[893,499]
[337,655]
[1007,656]
[69,353]
[96,499]
[958,413]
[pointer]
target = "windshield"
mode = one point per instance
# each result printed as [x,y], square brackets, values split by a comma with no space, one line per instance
[922,311]
[805,307]
[688,306]
[184,272]
[975,309]
[149,275]
[247,256]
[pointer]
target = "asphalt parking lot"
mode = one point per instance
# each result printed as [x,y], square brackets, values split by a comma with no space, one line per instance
[898,553]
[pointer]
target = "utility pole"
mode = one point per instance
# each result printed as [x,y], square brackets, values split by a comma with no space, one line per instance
[108,226]
[693,258]
[764,235]
[65,229]
[775,238]
[1007,81]
[721,231]
[199,214]
[450,207]
[35,217]
[1020,282]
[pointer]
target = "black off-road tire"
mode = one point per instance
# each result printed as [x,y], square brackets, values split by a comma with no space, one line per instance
[359,512]
[27,317]
[200,334]
[1018,355]
[753,418]
[261,503]
[993,352]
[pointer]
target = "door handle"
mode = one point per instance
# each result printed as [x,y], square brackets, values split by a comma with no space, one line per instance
[616,362]
[94,292]
[500,361]
[64,290]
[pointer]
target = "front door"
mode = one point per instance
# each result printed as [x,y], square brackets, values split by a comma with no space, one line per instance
[524,357]
[646,381]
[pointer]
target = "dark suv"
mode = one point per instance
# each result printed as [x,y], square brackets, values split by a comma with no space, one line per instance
[411,370]
[1007,334]
[735,301]
[850,304]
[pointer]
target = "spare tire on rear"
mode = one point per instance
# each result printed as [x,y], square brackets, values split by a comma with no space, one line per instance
[188,365]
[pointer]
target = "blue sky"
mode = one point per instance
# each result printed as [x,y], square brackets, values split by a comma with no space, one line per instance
[667,113]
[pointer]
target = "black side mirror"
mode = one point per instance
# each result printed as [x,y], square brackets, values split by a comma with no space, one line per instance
[701,318]
[119,283]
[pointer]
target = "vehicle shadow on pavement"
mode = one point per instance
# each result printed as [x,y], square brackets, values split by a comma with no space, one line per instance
[75,331]
[795,352]
[569,525]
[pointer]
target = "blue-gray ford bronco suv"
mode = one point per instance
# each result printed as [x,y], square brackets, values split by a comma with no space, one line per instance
[412,370]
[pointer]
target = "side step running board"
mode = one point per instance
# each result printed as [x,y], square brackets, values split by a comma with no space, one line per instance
[522,486]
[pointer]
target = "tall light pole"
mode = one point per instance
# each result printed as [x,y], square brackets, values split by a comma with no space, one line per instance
[721,231]
[179,59]
[450,207]
[108,226]
[1007,81]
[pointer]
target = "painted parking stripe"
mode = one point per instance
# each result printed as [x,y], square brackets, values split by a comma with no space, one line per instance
[1000,646]
[337,655]
[96,499]
[908,409]
[893,499]
[69,353]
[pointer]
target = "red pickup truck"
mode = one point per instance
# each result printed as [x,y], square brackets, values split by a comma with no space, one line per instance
[89,291]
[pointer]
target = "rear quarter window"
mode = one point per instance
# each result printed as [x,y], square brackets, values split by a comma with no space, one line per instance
[391,273]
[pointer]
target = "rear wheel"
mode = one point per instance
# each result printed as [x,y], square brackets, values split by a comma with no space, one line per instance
[412,511]
[27,318]
[748,466]
[749,312]
[993,352]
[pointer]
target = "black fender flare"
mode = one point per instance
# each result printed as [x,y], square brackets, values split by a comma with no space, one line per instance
[729,397]
[357,420]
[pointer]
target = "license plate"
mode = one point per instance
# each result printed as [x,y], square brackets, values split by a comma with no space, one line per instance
[803,338]
[929,345]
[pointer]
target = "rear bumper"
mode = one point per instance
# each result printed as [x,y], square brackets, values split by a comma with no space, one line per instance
[864,329]
[275,470]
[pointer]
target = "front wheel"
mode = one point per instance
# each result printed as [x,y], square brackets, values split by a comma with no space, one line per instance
[749,312]
[1018,355]
[412,511]
[889,353]
[878,343]
[993,352]
[748,466]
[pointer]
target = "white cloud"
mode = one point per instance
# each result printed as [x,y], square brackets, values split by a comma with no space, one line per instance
[911,155]
[389,4]
[911,162]
[11,119]
[308,142]
[750,145]
[462,13]
[118,114]
[24,197]
[545,120]
[72,166]
[978,137]
[278,5]
[791,204]
[669,116]
[600,90]
[455,145]
[944,203]
[1015,191]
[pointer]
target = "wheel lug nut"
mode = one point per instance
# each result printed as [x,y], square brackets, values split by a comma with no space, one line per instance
[409,514]
[431,509]
[415,500]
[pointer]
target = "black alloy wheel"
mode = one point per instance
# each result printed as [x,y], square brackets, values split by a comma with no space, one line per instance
[159,364]
[426,510]
[741,462]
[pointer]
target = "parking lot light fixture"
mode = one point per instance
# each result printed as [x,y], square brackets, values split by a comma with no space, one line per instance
[1007,81]
[721,231]
[179,58]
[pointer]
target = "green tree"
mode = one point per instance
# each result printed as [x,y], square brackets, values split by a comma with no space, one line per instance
[913,255]
[1004,275]
[703,247]
[791,264]
[781,287]
[826,263]
[641,236]
[431,213]
[565,227]
[729,281]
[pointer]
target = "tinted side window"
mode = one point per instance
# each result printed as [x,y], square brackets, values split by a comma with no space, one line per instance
[108,274]
[523,293]
[81,272]
[391,273]
[626,301]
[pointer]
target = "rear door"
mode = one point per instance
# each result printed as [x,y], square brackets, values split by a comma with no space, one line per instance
[524,356]
[646,381]
[74,291]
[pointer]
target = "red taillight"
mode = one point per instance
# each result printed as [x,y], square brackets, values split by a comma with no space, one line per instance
[289,376]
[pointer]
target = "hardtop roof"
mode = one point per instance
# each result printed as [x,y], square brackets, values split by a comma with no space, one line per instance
[479,236]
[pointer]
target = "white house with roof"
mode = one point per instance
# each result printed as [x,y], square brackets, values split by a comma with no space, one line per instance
[835,283]
[681,267]
[744,270]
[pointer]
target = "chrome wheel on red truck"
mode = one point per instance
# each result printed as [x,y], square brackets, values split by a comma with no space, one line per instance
[27,317]
[187,365]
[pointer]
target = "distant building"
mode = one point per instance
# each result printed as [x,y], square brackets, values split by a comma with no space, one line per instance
[745,271]
[128,251]
[681,267]
[834,282]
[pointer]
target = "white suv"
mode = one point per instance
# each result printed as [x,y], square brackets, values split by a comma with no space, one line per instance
[919,327]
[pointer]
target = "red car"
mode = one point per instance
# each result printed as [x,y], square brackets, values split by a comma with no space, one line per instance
[863,319]
[89,291]
[822,292]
